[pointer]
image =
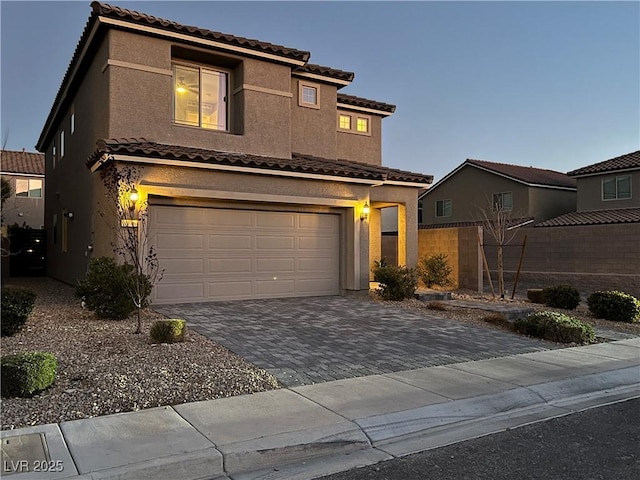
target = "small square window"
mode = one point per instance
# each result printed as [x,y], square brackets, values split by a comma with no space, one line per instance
[503,201]
[617,188]
[345,122]
[308,95]
[362,125]
[443,208]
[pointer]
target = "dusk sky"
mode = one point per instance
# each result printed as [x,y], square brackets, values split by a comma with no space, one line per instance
[549,84]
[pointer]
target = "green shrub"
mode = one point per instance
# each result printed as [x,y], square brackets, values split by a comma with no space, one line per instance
[561,296]
[27,373]
[17,304]
[556,327]
[106,288]
[168,331]
[396,283]
[535,295]
[435,270]
[614,305]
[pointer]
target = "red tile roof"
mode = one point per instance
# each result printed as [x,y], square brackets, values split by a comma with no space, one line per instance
[326,71]
[22,162]
[623,162]
[298,163]
[528,175]
[366,103]
[512,222]
[599,217]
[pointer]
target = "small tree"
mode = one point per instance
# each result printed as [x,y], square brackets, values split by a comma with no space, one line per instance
[131,232]
[435,270]
[498,222]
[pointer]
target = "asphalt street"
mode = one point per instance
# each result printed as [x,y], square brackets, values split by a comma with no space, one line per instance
[598,444]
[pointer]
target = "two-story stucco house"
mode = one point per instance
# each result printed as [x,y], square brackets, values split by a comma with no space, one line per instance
[605,193]
[24,171]
[531,194]
[262,179]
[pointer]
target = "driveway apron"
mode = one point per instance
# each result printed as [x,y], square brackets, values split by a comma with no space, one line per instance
[302,341]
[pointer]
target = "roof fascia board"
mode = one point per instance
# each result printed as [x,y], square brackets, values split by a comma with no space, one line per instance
[56,109]
[23,174]
[346,106]
[442,180]
[406,184]
[202,41]
[606,172]
[322,78]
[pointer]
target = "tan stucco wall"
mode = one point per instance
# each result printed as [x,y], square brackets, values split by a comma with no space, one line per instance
[361,148]
[590,193]
[70,186]
[545,203]
[23,210]
[313,131]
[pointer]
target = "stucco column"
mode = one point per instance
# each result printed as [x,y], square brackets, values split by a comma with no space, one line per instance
[375,238]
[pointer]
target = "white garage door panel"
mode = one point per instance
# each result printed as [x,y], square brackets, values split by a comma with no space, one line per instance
[218,254]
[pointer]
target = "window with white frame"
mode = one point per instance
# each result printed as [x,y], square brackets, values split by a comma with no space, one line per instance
[616,188]
[72,121]
[31,188]
[53,154]
[308,95]
[443,208]
[200,97]
[61,144]
[503,201]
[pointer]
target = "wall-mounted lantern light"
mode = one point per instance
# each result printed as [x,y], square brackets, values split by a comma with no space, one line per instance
[133,198]
[364,214]
[68,215]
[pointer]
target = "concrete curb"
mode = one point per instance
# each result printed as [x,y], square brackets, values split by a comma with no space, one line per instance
[320,429]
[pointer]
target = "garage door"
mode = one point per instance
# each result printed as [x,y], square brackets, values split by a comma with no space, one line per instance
[223,254]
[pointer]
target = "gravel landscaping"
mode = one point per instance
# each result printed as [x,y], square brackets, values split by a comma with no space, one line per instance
[104,368]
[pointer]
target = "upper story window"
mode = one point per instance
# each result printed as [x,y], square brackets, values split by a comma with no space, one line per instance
[344,122]
[419,212]
[61,144]
[53,154]
[308,95]
[31,188]
[362,125]
[503,201]
[200,97]
[616,188]
[443,208]
[72,121]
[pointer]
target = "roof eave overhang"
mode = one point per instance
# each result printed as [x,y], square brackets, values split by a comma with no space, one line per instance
[605,172]
[322,78]
[374,111]
[107,158]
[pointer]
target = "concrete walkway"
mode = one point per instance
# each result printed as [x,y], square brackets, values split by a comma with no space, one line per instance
[303,341]
[309,431]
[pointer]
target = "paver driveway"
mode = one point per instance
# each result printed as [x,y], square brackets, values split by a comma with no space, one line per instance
[311,340]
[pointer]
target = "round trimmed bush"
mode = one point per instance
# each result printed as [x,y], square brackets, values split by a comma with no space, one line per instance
[17,304]
[556,327]
[25,374]
[396,283]
[614,305]
[561,296]
[168,331]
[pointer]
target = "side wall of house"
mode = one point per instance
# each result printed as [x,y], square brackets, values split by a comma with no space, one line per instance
[590,193]
[546,203]
[469,190]
[360,147]
[588,257]
[70,186]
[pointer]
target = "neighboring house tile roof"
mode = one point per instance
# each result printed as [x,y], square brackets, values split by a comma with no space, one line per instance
[28,163]
[298,163]
[513,222]
[623,162]
[529,175]
[599,217]
[326,71]
[365,103]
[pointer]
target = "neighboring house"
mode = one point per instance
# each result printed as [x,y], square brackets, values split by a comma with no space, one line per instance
[605,193]
[258,173]
[25,173]
[531,194]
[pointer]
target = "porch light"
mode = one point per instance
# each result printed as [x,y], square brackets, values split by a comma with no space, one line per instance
[133,198]
[365,212]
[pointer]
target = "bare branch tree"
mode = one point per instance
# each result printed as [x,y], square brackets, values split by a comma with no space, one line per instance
[131,230]
[499,224]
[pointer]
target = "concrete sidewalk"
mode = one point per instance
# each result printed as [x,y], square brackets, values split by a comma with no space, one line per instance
[314,430]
